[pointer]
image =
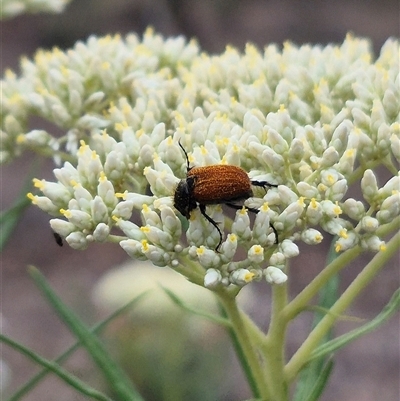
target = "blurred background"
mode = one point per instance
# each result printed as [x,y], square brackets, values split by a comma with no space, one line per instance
[366,370]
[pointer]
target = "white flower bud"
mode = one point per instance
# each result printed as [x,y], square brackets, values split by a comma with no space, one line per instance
[161,183]
[261,226]
[241,277]
[44,203]
[311,236]
[62,227]
[274,275]
[346,162]
[151,217]
[369,224]
[288,218]
[99,211]
[287,195]
[156,255]
[57,193]
[123,210]
[241,225]
[208,258]
[277,142]
[256,254]
[337,191]
[277,259]
[171,223]
[229,247]
[158,237]
[93,99]
[67,174]
[77,240]
[275,161]
[369,186]
[296,150]
[37,138]
[130,229]
[289,248]
[212,278]
[307,190]
[331,209]
[329,157]
[354,209]
[390,208]
[74,102]
[346,242]
[101,232]
[391,187]
[314,212]
[373,243]
[105,189]
[133,248]
[395,146]
[60,114]
[80,219]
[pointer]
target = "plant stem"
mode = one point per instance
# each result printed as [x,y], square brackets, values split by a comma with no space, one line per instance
[359,283]
[244,337]
[302,299]
[274,345]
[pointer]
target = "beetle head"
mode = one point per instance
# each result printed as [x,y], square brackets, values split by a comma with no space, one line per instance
[183,197]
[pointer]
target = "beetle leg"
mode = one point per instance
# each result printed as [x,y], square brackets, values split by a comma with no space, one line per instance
[263,184]
[255,211]
[203,212]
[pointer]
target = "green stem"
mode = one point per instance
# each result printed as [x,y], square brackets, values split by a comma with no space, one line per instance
[191,270]
[359,283]
[302,299]
[243,333]
[274,345]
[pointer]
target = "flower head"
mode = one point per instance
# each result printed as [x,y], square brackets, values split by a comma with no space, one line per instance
[313,121]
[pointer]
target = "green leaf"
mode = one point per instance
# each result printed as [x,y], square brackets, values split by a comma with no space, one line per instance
[179,302]
[241,356]
[56,369]
[9,218]
[389,310]
[63,357]
[116,377]
[321,381]
[311,374]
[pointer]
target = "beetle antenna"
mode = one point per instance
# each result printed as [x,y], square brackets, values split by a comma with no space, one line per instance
[186,155]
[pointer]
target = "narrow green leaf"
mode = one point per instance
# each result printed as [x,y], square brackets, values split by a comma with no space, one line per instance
[9,218]
[116,377]
[389,310]
[321,381]
[310,375]
[56,369]
[63,357]
[241,357]
[179,302]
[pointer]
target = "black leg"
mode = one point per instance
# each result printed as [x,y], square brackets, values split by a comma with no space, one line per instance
[255,211]
[263,184]
[203,212]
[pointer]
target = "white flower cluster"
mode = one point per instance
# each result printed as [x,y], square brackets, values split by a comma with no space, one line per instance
[313,120]
[11,8]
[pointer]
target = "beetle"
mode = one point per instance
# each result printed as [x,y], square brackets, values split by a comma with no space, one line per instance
[212,185]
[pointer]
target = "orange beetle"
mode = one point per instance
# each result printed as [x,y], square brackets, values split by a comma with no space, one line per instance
[215,184]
